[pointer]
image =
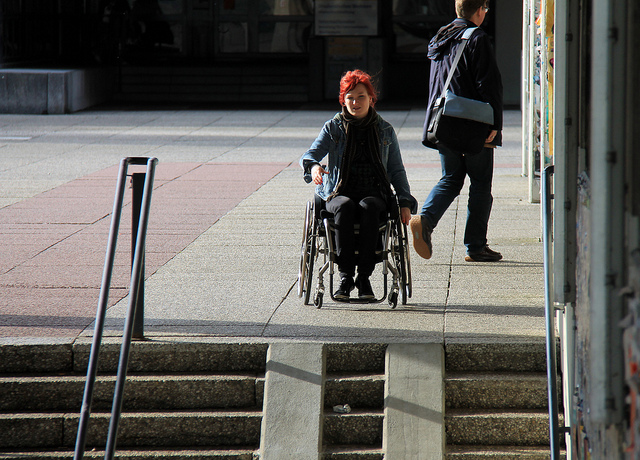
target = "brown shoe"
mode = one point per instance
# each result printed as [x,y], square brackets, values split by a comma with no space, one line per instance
[486,255]
[421,231]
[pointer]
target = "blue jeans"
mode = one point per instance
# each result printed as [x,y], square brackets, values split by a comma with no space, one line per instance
[455,167]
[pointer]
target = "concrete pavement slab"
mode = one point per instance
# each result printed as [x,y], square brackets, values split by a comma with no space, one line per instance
[225,231]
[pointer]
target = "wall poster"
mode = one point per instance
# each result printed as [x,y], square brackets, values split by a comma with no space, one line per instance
[346,17]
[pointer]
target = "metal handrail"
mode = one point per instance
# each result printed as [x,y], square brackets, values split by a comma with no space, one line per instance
[134,288]
[552,370]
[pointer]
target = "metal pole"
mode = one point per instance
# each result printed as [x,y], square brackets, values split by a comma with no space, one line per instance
[128,327]
[552,369]
[92,368]
[137,182]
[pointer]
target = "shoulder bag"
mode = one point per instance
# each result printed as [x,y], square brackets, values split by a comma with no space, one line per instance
[456,122]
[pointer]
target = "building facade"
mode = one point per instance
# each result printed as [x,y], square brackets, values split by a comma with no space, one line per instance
[244,50]
[582,119]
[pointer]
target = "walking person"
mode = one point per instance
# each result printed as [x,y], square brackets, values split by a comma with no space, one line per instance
[364,161]
[477,77]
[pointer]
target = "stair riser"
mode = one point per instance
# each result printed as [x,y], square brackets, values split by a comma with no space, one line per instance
[496,357]
[146,430]
[497,393]
[145,357]
[518,430]
[207,357]
[65,394]
[359,393]
[355,358]
[353,429]
[176,358]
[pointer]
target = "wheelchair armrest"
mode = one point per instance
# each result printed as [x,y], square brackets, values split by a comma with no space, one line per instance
[324,214]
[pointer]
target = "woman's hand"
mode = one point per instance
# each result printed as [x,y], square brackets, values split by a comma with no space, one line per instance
[316,174]
[405,215]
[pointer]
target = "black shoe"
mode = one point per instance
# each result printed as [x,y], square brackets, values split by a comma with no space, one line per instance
[421,231]
[365,292]
[486,255]
[344,290]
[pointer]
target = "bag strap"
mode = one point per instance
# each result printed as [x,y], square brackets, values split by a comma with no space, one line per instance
[465,39]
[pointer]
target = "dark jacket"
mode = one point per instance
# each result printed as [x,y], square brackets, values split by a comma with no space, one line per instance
[477,75]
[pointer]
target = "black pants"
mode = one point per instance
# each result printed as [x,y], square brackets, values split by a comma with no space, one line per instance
[367,212]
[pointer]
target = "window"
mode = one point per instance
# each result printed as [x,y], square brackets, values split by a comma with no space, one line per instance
[416,21]
[263,26]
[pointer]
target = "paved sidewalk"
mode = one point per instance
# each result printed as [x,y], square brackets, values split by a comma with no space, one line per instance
[225,230]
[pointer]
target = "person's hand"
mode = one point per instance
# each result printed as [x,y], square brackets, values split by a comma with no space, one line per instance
[405,215]
[316,174]
[492,135]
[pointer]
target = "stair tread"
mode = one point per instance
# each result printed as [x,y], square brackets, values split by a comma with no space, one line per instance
[356,413]
[350,448]
[173,452]
[497,449]
[498,452]
[176,413]
[355,377]
[460,375]
[131,377]
[462,412]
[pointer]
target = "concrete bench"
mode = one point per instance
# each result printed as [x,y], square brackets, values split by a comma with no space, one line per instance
[54,91]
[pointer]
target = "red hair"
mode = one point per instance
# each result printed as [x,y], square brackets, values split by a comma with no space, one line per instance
[352,78]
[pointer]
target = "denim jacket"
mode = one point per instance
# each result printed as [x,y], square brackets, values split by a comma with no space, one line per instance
[331,141]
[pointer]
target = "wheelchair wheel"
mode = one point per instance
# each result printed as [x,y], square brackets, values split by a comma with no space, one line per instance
[307,255]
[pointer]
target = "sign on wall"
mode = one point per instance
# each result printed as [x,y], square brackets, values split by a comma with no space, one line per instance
[346,17]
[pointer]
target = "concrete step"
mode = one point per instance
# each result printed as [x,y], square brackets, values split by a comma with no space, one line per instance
[355,376]
[496,357]
[352,453]
[358,391]
[142,429]
[142,392]
[358,428]
[168,356]
[495,396]
[497,427]
[193,357]
[121,454]
[489,390]
[354,358]
[499,453]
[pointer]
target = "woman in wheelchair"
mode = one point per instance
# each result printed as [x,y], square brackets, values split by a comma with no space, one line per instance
[364,162]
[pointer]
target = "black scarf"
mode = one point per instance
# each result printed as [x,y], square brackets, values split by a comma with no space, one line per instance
[369,123]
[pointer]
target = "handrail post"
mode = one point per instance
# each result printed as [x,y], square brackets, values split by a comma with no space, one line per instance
[137,187]
[136,275]
[552,370]
[92,366]
[137,272]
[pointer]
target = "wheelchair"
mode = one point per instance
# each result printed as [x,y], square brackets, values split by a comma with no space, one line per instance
[318,246]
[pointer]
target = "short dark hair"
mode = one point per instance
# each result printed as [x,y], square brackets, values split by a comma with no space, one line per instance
[466,8]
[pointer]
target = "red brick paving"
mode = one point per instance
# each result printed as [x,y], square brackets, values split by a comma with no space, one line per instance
[54,244]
